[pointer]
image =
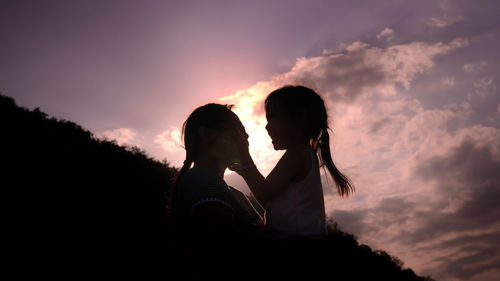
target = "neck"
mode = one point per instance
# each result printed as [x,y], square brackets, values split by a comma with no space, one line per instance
[212,164]
[303,141]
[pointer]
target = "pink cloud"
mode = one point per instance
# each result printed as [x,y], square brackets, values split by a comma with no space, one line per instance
[170,140]
[445,21]
[123,136]
[485,86]
[387,33]
[385,139]
[474,67]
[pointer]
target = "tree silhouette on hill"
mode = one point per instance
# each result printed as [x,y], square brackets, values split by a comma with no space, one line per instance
[72,195]
[77,203]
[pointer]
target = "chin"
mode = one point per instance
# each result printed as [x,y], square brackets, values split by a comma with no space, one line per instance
[278,147]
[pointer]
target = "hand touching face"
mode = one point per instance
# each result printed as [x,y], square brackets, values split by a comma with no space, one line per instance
[239,148]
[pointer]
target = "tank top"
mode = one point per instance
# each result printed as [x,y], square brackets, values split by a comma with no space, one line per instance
[300,210]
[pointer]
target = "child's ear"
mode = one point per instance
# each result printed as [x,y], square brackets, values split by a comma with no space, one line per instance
[207,134]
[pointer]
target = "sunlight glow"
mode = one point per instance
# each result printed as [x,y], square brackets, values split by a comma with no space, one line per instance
[247,106]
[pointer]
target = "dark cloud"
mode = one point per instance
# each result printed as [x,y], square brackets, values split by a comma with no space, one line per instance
[395,205]
[383,124]
[379,124]
[389,211]
[468,242]
[480,211]
[484,206]
[470,261]
[475,18]
[344,76]
[352,221]
[463,217]
[468,176]
[465,165]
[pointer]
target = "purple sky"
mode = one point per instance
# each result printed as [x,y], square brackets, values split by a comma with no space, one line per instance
[411,88]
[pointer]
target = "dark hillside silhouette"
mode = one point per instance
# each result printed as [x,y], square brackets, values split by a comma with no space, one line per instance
[76,203]
[72,199]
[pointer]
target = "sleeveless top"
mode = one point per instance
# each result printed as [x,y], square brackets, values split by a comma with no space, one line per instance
[300,210]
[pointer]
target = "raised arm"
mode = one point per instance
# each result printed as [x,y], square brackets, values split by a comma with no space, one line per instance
[267,189]
[286,171]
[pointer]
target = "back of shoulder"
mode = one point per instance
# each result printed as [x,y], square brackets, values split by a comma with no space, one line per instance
[301,156]
[197,177]
[198,184]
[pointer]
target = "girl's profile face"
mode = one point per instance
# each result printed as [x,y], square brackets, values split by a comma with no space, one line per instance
[279,128]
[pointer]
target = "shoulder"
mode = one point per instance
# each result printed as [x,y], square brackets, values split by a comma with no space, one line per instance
[198,186]
[300,158]
[298,154]
[199,178]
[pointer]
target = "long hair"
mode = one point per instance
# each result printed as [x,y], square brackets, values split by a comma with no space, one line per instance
[213,116]
[296,101]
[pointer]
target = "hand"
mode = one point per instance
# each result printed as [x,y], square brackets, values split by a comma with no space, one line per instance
[240,139]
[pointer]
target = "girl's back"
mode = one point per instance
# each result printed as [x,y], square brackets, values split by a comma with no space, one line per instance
[299,210]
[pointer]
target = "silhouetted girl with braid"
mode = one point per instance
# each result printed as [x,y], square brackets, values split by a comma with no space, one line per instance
[206,212]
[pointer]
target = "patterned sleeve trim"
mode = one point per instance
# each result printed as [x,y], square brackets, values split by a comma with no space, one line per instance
[212,199]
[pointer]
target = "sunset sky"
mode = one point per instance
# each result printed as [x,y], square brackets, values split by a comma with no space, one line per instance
[411,88]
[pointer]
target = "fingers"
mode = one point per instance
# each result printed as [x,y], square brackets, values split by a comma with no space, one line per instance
[236,167]
[241,138]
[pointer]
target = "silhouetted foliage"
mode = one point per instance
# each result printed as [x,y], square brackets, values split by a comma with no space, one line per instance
[76,202]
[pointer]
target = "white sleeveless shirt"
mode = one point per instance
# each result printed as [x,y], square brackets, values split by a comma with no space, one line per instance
[300,210]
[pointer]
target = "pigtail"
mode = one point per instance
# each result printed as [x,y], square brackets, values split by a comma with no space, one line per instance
[344,185]
[171,204]
[186,165]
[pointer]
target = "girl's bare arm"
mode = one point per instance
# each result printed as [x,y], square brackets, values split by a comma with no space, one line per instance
[266,189]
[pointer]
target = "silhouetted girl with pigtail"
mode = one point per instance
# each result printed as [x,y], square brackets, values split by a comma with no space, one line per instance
[206,212]
[292,193]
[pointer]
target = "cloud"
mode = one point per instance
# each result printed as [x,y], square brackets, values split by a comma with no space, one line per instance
[467,164]
[474,67]
[485,86]
[123,136]
[170,140]
[387,33]
[449,195]
[445,21]
[464,217]
[449,81]
[451,15]
[358,69]
[426,182]
[364,70]
[347,79]
[352,220]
